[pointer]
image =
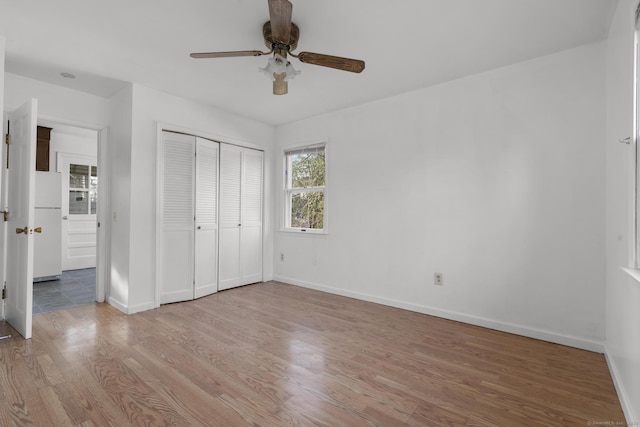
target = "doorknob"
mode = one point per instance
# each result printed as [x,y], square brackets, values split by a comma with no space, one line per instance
[22,230]
[65,217]
[199,227]
[38,229]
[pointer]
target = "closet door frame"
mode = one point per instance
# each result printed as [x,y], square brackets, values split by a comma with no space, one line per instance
[170,127]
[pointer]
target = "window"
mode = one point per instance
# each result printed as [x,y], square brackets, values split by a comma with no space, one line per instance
[83,189]
[305,189]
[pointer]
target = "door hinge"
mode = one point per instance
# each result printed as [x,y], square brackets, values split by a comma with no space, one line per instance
[4,292]
[7,139]
[5,215]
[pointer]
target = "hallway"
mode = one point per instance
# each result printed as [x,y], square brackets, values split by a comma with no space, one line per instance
[75,288]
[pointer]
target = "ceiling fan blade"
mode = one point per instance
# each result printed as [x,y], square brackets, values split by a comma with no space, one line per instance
[227,54]
[280,16]
[345,64]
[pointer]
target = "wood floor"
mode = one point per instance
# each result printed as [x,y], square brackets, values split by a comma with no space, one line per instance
[277,355]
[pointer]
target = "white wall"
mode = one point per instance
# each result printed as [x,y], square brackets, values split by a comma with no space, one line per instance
[56,103]
[623,292]
[495,180]
[151,107]
[119,198]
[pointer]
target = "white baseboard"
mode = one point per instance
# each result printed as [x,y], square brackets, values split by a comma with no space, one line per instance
[117,304]
[513,328]
[625,402]
[130,310]
[141,307]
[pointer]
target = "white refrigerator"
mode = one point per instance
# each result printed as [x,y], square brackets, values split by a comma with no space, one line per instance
[47,257]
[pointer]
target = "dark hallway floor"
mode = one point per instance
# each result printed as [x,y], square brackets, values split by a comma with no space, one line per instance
[75,288]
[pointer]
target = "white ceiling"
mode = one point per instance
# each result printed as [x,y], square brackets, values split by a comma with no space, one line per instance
[407,44]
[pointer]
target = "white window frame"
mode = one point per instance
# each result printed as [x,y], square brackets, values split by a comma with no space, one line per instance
[288,192]
[88,191]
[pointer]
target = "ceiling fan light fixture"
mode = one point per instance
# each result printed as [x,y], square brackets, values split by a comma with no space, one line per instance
[277,65]
[280,85]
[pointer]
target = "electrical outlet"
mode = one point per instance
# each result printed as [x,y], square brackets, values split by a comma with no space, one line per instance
[281,257]
[437,279]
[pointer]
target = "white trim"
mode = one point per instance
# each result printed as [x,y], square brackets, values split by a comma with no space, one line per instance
[304,231]
[158,216]
[513,328]
[130,310]
[140,308]
[208,135]
[50,121]
[635,205]
[631,418]
[103,234]
[117,304]
[635,274]
[311,142]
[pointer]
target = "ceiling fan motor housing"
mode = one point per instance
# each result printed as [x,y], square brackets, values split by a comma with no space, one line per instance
[272,44]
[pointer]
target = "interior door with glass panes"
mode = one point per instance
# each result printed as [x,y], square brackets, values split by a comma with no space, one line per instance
[79,204]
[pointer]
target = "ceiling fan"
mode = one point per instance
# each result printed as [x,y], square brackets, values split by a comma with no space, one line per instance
[281,37]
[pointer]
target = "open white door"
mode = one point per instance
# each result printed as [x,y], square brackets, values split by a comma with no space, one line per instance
[21,180]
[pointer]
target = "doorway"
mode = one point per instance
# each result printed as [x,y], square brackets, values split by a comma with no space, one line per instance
[74,288]
[74,165]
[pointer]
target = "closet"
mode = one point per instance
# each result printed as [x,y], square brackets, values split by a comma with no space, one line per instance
[209,217]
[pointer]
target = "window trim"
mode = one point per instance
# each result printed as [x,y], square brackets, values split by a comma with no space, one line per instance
[88,191]
[287,192]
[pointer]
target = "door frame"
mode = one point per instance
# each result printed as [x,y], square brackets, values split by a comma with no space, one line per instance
[103,235]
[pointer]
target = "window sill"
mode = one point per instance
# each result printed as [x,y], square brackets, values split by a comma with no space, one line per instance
[635,274]
[293,231]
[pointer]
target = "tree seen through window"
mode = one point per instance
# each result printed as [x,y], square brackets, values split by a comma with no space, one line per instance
[306,189]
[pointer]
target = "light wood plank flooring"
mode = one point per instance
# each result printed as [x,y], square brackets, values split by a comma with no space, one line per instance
[273,355]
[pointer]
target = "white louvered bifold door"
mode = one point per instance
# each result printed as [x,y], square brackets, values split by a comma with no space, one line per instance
[230,185]
[176,217]
[206,233]
[241,182]
[251,216]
